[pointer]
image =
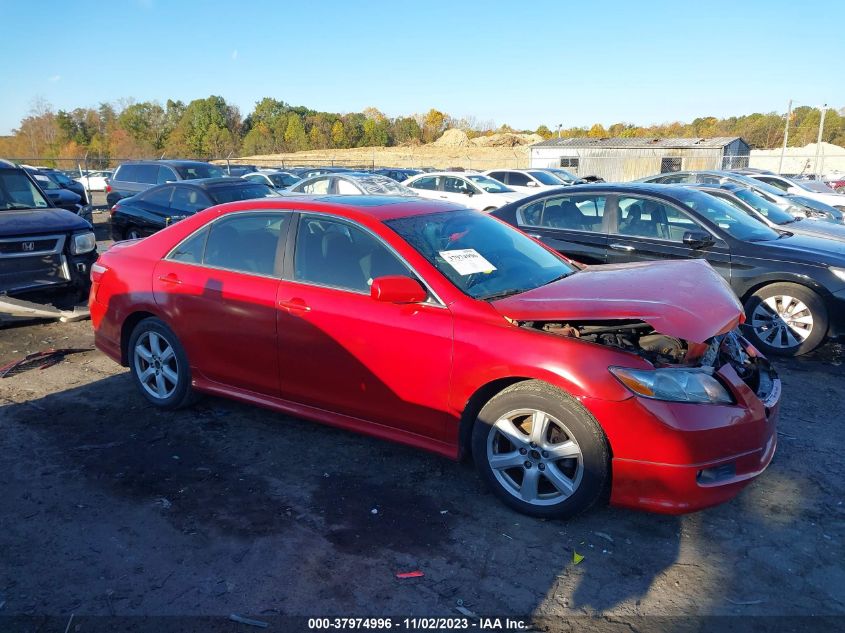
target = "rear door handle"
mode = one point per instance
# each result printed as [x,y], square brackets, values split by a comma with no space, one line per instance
[295,305]
[536,236]
[170,278]
[623,247]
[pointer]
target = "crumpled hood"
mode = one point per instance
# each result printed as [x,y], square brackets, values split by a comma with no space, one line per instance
[686,299]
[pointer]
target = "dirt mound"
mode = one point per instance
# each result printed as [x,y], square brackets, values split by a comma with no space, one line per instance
[453,138]
[506,140]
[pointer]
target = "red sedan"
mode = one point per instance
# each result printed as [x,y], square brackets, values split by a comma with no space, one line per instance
[446,329]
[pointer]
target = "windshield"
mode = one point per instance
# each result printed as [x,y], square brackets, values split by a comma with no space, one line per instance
[199,170]
[769,209]
[283,180]
[563,175]
[488,184]
[18,192]
[546,178]
[735,223]
[241,192]
[483,257]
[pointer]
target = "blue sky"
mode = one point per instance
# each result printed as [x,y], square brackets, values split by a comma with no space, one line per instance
[521,63]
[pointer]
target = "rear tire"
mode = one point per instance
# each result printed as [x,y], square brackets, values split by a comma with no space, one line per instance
[786,319]
[159,365]
[540,451]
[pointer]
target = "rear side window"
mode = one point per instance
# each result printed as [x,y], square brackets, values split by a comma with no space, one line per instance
[159,196]
[318,186]
[428,182]
[127,173]
[247,242]
[189,200]
[147,174]
[577,213]
[190,250]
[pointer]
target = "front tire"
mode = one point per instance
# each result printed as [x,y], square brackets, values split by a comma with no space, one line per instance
[786,319]
[540,451]
[159,365]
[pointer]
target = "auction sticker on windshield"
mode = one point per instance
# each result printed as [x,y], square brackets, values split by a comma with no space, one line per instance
[467,261]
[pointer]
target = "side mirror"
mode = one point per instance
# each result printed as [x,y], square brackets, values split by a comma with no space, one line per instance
[469,192]
[698,239]
[397,289]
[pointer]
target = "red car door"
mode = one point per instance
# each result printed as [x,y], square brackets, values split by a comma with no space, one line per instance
[217,290]
[343,351]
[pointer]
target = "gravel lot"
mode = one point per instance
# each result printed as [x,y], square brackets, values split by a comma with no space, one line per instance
[112,508]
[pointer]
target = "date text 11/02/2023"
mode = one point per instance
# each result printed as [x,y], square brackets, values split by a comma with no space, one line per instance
[419,624]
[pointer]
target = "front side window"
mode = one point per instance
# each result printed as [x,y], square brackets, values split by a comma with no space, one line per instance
[577,213]
[283,180]
[482,257]
[774,182]
[644,217]
[346,188]
[165,174]
[200,170]
[457,185]
[340,255]
[247,242]
[517,179]
[316,186]
[45,183]
[18,192]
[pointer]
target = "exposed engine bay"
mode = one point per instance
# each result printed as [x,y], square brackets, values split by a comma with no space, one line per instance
[661,350]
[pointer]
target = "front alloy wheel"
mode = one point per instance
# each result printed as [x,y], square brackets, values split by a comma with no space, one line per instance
[535,457]
[540,451]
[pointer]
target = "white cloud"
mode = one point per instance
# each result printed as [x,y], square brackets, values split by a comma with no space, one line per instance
[54,78]
[235,54]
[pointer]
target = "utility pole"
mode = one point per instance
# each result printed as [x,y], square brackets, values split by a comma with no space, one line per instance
[819,142]
[785,136]
[559,126]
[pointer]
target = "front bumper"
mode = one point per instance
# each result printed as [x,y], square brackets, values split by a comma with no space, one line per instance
[674,458]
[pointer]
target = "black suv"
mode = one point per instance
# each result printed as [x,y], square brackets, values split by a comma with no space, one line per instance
[42,248]
[134,177]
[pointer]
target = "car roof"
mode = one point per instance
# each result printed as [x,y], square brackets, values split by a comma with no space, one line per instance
[168,161]
[380,208]
[460,174]
[206,183]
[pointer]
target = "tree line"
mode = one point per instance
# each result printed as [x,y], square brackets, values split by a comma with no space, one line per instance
[213,128]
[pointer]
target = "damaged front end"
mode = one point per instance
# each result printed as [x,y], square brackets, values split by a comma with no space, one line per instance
[696,361]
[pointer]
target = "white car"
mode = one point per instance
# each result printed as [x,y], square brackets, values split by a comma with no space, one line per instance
[94,180]
[813,189]
[526,180]
[472,190]
[275,178]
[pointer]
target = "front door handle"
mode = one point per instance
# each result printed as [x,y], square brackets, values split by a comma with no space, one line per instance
[170,278]
[536,236]
[623,247]
[295,305]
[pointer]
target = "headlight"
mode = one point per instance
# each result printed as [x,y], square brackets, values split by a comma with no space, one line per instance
[674,384]
[83,243]
[839,272]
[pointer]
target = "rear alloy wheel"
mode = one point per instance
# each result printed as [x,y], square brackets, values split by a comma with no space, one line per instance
[159,365]
[133,234]
[540,451]
[786,319]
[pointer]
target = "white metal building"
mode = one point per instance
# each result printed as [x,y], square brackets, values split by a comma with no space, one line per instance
[622,159]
